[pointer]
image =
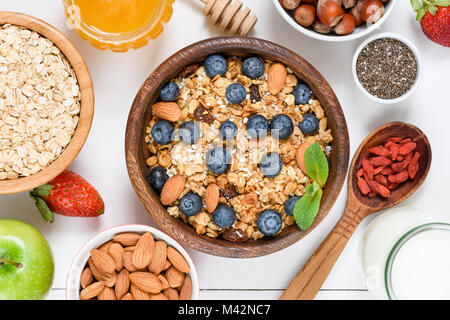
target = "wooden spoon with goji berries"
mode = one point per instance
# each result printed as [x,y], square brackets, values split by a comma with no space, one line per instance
[388,167]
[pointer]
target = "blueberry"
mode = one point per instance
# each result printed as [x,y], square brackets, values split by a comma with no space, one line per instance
[269,222]
[157,178]
[190,204]
[253,67]
[236,93]
[189,132]
[270,164]
[257,126]
[170,92]
[218,160]
[228,130]
[224,216]
[310,124]
[302,93]
[214,65]
[290,204]
[281,126]
[162,132]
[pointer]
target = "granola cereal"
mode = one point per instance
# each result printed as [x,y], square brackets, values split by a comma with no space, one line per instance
[39,102]
[243,187]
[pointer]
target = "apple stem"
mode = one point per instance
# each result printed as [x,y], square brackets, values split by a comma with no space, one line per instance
[16,264]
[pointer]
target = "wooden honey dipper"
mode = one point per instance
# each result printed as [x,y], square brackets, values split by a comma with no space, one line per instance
[229,17]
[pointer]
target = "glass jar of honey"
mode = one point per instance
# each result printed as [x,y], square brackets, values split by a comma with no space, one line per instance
[118,24]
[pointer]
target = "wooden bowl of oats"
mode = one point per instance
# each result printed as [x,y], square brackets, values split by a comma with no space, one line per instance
[46,102]
[211,102]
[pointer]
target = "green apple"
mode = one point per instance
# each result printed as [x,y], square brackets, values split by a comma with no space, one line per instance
[26,262]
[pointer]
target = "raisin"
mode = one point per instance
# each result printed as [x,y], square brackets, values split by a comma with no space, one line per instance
[228,192]
[188,70]
[235,235]
[202,114]
[254,93]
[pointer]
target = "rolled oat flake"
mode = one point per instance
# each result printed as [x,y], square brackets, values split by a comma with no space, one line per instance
[386,68]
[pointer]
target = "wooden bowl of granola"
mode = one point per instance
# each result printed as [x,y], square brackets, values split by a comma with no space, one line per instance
[200,231]
[49,122]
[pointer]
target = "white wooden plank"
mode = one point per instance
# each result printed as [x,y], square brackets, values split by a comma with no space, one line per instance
[118,76]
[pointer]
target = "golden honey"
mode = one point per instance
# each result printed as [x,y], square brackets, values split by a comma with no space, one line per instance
[118,24]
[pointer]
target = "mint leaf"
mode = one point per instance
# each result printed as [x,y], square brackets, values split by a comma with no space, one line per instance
[307,207]
[416,4]
[316,164]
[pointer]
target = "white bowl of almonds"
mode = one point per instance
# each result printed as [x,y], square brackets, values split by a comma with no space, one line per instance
[46,102]
[132,262]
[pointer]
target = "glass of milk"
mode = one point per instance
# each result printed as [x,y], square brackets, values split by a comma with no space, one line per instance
[406,255]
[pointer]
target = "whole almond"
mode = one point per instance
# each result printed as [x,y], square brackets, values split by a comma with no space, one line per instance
[128,296]
[92,291]
[110,281]
[146,281]
[300,156]
[122,283]
[276,78]
[159,257]
[174,277]
[164,283]
[211,197]
[166,265]
[186,289]
[103,261]
[96,272]
[169,111]
[130,248]
[105,247]
[128,261]
[116,251]
[107,294]
[171,294]
[139,294]
[86,277]
[143,253]
[127,239]
[177,260]
[172,189]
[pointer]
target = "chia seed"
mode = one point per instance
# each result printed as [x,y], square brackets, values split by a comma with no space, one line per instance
[386,68]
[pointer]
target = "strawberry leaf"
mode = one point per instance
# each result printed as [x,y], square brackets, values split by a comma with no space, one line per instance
[43,208]
[442,3]
[43,190]
[416,4]
[433,10]
[420,13]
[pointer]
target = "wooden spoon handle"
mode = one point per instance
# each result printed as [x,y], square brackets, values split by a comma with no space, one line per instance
[308,281]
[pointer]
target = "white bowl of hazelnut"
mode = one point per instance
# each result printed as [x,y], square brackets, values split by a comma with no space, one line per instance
[132,262]
[335,20]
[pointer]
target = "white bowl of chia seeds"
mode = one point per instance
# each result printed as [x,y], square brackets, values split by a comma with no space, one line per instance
[387,68]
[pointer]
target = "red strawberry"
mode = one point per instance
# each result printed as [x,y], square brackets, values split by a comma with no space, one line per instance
[68,195]
[434,17]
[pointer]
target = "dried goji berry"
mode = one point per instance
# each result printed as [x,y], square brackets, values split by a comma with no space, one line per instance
[363,186]
[377,170]
[386,171]
[380,161]
[380,151]
[407,148]
[394,151]
[399,177]
[380,189]
[412,170]
[381,179]
[392,185]
[368,168]
[360,172]
[406,140]
[400,166]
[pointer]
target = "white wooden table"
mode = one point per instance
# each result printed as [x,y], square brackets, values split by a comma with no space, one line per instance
[117,77]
